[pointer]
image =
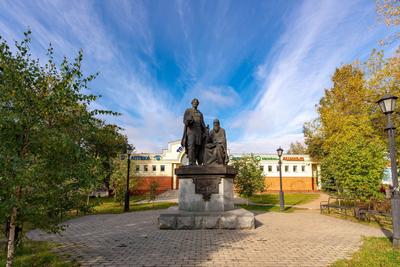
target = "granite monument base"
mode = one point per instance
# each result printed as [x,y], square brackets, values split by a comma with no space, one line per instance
[206,201]
[175,219]
[206,188]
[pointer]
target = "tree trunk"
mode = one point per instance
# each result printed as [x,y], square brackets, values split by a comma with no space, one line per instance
[11,238]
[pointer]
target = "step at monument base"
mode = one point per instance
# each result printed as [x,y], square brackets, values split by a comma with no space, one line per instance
[175,219]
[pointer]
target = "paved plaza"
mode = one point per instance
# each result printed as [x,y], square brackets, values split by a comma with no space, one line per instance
[133,239]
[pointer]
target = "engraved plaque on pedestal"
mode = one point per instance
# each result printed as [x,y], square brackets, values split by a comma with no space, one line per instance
[206,186]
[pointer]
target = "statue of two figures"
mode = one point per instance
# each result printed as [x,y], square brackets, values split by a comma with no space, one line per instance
[203,147]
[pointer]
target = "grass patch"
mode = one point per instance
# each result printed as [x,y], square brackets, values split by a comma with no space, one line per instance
[110,206]
[375,251]
[376,221]
[37,254]
[290,198]
[260,208]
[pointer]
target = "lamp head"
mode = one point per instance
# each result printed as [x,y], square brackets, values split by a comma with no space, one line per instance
[129,149]
[387,103]
[279,151]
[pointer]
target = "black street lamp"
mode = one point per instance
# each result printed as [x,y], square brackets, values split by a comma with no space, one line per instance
[129,151]
[387,104]
[281,196]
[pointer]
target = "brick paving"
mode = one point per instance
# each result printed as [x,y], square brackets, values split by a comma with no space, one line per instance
[133,239]
[315,204]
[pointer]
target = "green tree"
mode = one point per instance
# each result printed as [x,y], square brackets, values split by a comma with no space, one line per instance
[47,158]
[153,191]
[108,144]
[354,153]
[314,139]
[118,178]
[351,123]
[297,148]
[353,168]
[250,177]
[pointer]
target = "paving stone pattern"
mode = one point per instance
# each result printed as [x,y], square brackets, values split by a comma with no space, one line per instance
[133,239]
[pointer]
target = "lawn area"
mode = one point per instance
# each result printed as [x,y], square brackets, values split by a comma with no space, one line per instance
[375,251]
[383,223]
[260,208]
[36,254]
[108,205]
[290,198]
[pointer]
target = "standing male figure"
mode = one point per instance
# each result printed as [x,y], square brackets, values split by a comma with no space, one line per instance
[194,134]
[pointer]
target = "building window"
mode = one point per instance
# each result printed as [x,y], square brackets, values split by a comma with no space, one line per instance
[269,168]
[145,168]
[262,167]
[277,168]
[294,168]
[137,168]
[303,168]
[286,168]
[154,168]
[162,168]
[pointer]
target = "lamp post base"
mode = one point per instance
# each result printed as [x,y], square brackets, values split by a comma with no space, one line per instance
[396,243]
[126,204]
[281,201]
[396,219]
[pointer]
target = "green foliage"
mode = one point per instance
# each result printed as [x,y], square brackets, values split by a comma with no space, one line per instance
[345,137]
[290,198]
[263,208]
[118,178]
[314,139]
[37,254]
[374,252]
[354,169]
[108,144]
[250,177]
[109,206]
[153,190]
[50,153]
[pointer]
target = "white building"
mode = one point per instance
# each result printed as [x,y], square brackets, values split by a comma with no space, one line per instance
[299,172]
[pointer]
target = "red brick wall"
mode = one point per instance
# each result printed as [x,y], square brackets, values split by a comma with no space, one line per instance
[294,184]
[164,184]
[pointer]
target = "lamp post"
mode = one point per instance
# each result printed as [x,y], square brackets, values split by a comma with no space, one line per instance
[129,151]
[387,104]
[281,196]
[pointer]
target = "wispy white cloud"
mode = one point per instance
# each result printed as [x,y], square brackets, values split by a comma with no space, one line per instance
[319,37]
[212,48]
[147,114]
[263,144]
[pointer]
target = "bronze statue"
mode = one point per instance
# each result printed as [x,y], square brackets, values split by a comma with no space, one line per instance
[194,134]
[215,149]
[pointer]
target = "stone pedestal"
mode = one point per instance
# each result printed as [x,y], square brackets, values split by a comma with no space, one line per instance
[206,188]
[206,201]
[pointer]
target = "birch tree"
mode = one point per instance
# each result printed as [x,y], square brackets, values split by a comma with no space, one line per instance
[48,159]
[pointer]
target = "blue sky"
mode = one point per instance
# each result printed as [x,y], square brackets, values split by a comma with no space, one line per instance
[259,66]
